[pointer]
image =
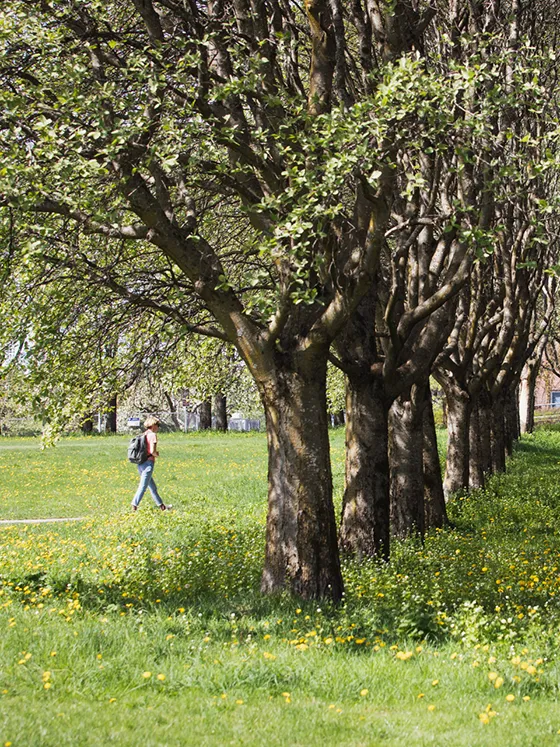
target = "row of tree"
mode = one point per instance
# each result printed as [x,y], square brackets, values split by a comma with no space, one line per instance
[363,182]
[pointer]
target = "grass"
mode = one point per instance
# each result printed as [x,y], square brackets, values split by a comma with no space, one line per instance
[92,477]
[148,628]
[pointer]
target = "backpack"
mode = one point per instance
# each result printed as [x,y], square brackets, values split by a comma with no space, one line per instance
[138,449]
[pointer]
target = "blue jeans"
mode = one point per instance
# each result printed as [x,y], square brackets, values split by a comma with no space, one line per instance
[145,470]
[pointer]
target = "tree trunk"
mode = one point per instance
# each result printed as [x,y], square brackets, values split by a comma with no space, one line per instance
[364,527]
[484,407]
[527,396]
[111,423]
[205,412]
[87,425]
[172,411]
[476,461]
[221,412]
[301,542]
[338,418]
[512,423]
[435,513]
[406,466]
[457,463]
[497,435]
[444,412]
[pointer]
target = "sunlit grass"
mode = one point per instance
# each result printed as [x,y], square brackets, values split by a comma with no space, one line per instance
[91,476]
[149,628]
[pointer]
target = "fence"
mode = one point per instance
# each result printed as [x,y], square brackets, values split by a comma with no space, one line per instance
[547,412]
[185,421]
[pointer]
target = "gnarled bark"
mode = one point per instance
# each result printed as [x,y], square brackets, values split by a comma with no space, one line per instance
[511,419]
[406,467]
[301,542]
[476,463]
[365,510]
[484,406]
[435,512]
[457,463]
[497,435]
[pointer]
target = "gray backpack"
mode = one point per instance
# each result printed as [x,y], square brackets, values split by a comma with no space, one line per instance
[138,449]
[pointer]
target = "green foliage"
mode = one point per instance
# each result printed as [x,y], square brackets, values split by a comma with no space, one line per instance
[336,390]
[92,310]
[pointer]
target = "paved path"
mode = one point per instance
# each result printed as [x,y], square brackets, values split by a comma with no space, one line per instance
[38,521]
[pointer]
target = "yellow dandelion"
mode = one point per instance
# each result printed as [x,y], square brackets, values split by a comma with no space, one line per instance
[364,692]
[492,676]
[498,682]
[146,675]
[161,677]
[431,708]
[435,682]
[510,698]
[239,702]
[526,698]
[484,718]
[403,655]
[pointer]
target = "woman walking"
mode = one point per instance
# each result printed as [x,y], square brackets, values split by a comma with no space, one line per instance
[146,469]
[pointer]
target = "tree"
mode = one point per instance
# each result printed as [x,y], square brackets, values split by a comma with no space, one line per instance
[458,162]
[145,123]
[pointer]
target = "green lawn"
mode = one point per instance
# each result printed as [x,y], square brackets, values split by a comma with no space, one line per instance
[91,476]
[148,628]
